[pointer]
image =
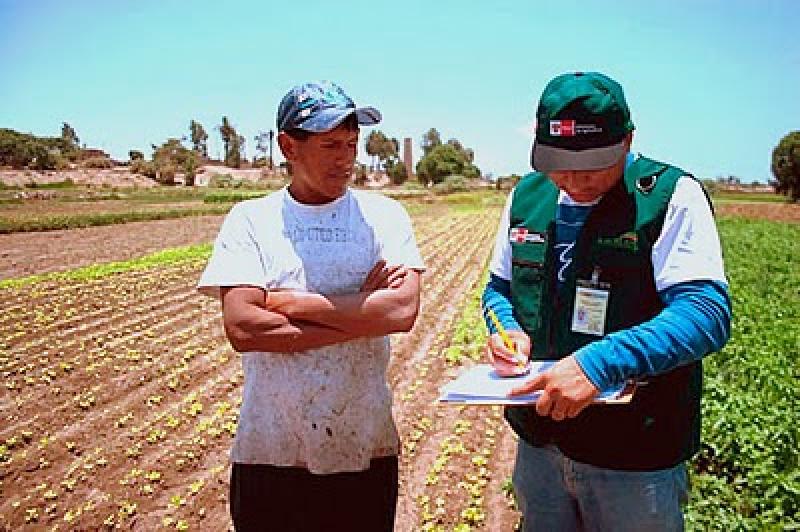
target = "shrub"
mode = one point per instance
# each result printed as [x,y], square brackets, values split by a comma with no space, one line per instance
[142,167]
[453,183]
[397,173]
[221,181]
[98,162]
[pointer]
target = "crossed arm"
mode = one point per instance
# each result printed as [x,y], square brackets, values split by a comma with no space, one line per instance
[289,321]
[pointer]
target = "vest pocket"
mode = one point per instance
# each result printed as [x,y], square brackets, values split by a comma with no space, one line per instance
[527,283]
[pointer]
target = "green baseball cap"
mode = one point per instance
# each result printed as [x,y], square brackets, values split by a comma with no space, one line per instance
[581,123]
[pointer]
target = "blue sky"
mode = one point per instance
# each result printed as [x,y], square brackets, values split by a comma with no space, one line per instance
[712,85]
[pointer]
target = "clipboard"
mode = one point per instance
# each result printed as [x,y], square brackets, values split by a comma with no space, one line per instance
[481,385]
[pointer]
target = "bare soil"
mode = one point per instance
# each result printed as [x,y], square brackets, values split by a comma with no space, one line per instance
[112,177]
[34,253]
[120,395]
[779,212]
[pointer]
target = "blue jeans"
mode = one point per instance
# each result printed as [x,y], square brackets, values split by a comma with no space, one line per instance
[555,493]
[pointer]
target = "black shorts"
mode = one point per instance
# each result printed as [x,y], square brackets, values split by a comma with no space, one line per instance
[292,499]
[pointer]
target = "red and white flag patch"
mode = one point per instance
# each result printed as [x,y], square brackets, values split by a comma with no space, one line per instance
[562,128]
[521,235]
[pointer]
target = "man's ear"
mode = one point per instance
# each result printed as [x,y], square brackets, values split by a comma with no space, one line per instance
[287,145]
[628,141]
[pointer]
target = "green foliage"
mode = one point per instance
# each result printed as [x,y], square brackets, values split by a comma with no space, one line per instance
[261,162]
[73,221]
[199,138]
[23,150]
[233,143]
[66,183]
[172,157]
[232,196]
[385,149]
[747,476]
[234,156]
[397,172]
[166,257]
[746,197]
[710,185]
[786,165]
[97,162]
[142,167]
[430,140]
[264,141]
[453,183]
[445,160]
[223,181]
[70,137]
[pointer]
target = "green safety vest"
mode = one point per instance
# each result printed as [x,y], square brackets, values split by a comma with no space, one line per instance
[660,427]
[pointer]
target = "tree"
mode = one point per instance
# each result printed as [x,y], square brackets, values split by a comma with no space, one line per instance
[70,137]
[135,155]
[228,134]
[264,141]
[361,174]
[233,143]
[397,172]
[23,150]
[386,150]
[271,144]
[786,165]
[430,140]
[373,145]
[235,152]
[199,137]
[445,160]
[172,157]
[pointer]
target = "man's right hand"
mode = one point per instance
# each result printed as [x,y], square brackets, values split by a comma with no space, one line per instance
[504,360]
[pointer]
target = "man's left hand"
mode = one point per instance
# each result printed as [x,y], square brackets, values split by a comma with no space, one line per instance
[384,276]
[566,390]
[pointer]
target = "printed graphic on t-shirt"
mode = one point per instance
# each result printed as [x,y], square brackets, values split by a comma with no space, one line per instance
[299,234]
[328,409]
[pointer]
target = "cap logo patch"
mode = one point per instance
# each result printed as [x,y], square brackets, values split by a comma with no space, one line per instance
[562,128]
[569,128]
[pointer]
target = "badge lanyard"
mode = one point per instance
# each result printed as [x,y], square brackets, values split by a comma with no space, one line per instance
[591,304]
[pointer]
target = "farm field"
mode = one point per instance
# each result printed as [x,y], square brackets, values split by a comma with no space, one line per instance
[119,393]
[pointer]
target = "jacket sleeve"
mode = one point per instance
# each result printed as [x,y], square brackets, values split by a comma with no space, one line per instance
[695,321]
[497,296]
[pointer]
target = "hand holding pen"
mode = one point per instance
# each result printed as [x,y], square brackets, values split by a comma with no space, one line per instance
[508,350]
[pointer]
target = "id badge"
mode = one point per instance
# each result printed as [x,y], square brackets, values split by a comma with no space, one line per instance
[591,304]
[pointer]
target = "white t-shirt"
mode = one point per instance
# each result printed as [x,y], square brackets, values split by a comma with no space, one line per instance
[687,249]
[325,409]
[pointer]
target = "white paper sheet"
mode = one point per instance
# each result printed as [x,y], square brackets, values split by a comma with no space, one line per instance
[481,384]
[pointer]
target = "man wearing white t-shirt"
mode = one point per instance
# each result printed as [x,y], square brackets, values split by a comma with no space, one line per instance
[312,279]
[610,264]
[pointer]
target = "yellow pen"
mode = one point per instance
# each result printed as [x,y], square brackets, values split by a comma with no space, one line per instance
[505,337]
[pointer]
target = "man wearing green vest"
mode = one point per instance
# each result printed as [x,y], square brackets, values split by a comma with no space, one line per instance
[609,264]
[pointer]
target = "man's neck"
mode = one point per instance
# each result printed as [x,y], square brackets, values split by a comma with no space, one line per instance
[307,197]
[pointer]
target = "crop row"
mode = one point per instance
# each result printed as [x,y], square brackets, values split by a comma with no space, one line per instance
[119,406]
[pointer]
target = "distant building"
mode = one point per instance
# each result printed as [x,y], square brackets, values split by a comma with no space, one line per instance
[408,159]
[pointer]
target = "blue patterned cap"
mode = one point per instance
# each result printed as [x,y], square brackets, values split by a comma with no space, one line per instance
[319,107]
